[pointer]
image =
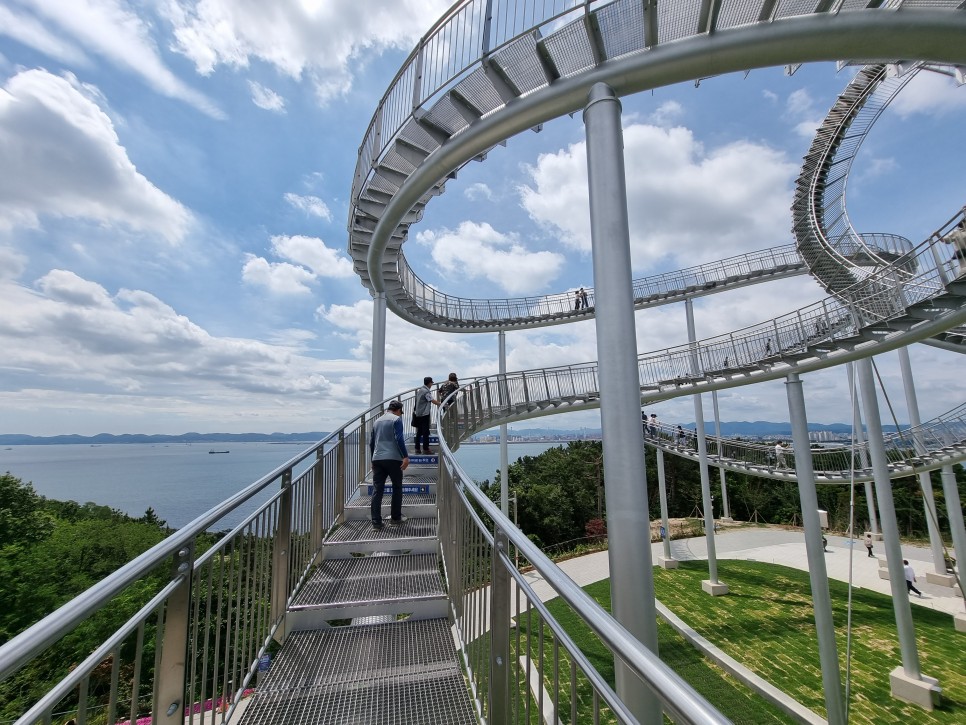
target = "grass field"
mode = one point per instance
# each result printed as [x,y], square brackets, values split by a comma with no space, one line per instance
[766,622]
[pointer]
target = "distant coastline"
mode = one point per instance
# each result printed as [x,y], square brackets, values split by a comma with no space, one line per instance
[16,439]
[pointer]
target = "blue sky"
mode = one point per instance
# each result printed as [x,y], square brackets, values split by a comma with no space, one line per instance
[174,195]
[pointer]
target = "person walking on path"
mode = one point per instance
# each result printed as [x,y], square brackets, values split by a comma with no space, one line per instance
[653,425]
[779,455]
[387,449]
[868,545]
[424,399]
[682,437]
[578,300]
[957,238]
[583,298]
[448,388]
[910,577]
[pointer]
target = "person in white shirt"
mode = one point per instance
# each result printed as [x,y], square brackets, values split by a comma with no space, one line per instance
[910,577]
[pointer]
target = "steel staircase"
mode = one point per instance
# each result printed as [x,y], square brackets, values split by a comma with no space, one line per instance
[368,634]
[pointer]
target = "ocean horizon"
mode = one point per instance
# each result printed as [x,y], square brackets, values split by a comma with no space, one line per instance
[182,481]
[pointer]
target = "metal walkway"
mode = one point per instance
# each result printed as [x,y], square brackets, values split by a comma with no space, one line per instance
[368,635]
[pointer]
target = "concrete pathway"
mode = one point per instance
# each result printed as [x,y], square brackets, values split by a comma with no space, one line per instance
[785,547]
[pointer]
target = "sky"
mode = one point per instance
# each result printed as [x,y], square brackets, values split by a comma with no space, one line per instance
[174,194]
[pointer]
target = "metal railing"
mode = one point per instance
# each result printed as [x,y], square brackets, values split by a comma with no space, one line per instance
[693,281]
[930,445]
[219,598]
[522,664]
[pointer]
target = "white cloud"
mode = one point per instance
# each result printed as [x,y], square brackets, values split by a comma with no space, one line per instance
[102,355]
[930,93]
[311,205]
[61,157]
[266,98]
[279,278]
[666,114]
[800,109]
[31,32]
[478,191]
[314,38]
[686,204]
[112,29]
[312,252]
[12,263]
[479,251]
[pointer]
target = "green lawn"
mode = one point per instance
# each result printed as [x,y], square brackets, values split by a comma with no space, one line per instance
[766,622]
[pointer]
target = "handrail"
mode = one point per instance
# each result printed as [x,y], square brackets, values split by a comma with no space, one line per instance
[662,288]
[677,696]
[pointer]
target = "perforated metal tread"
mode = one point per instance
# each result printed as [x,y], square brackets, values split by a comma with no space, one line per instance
[406,672]
[340,582]
[361,530]
[364,500]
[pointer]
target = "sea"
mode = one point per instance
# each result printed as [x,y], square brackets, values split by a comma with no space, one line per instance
[182,481]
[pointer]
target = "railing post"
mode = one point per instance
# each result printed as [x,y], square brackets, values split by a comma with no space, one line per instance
[340,475]
[500,631]
[280,552]
[169,693]
[363,467]
[318,499]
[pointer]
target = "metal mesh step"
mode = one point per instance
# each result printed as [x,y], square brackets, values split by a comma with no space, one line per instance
[354,531]
[387,673]
[368,579]
[364,500]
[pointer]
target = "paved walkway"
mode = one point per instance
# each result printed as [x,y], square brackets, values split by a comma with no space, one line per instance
[785,547]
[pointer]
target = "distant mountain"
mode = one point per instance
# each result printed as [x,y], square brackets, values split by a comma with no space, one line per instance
[14,439]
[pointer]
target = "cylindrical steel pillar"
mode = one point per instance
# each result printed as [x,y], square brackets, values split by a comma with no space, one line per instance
[625,477]
[377,374]
[925,480]
[504,457]
[860,444]
[713,586]
[815,552]
[662,487]
[725,508]
[890,527]
[954,509]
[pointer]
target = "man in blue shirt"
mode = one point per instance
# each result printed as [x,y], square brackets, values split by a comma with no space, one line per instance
[387,446]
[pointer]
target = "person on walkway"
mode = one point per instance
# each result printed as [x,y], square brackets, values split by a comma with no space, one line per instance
[583,298]
[779,455]
[644,422]
[387,449]
[578,300]
[682,437]
[910,577]
[451,385]
[868,545]
[424,400]
[653,425]
[957,237]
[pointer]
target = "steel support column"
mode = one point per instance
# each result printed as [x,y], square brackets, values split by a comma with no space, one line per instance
[925,478]
[859,440]
[377,374]
[954,509]
[628,524]
[890,531]
[725,508]
[668,562]
[504,457]
[815,552]
[712,585]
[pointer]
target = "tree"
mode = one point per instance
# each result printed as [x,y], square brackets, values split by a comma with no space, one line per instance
[23,520]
